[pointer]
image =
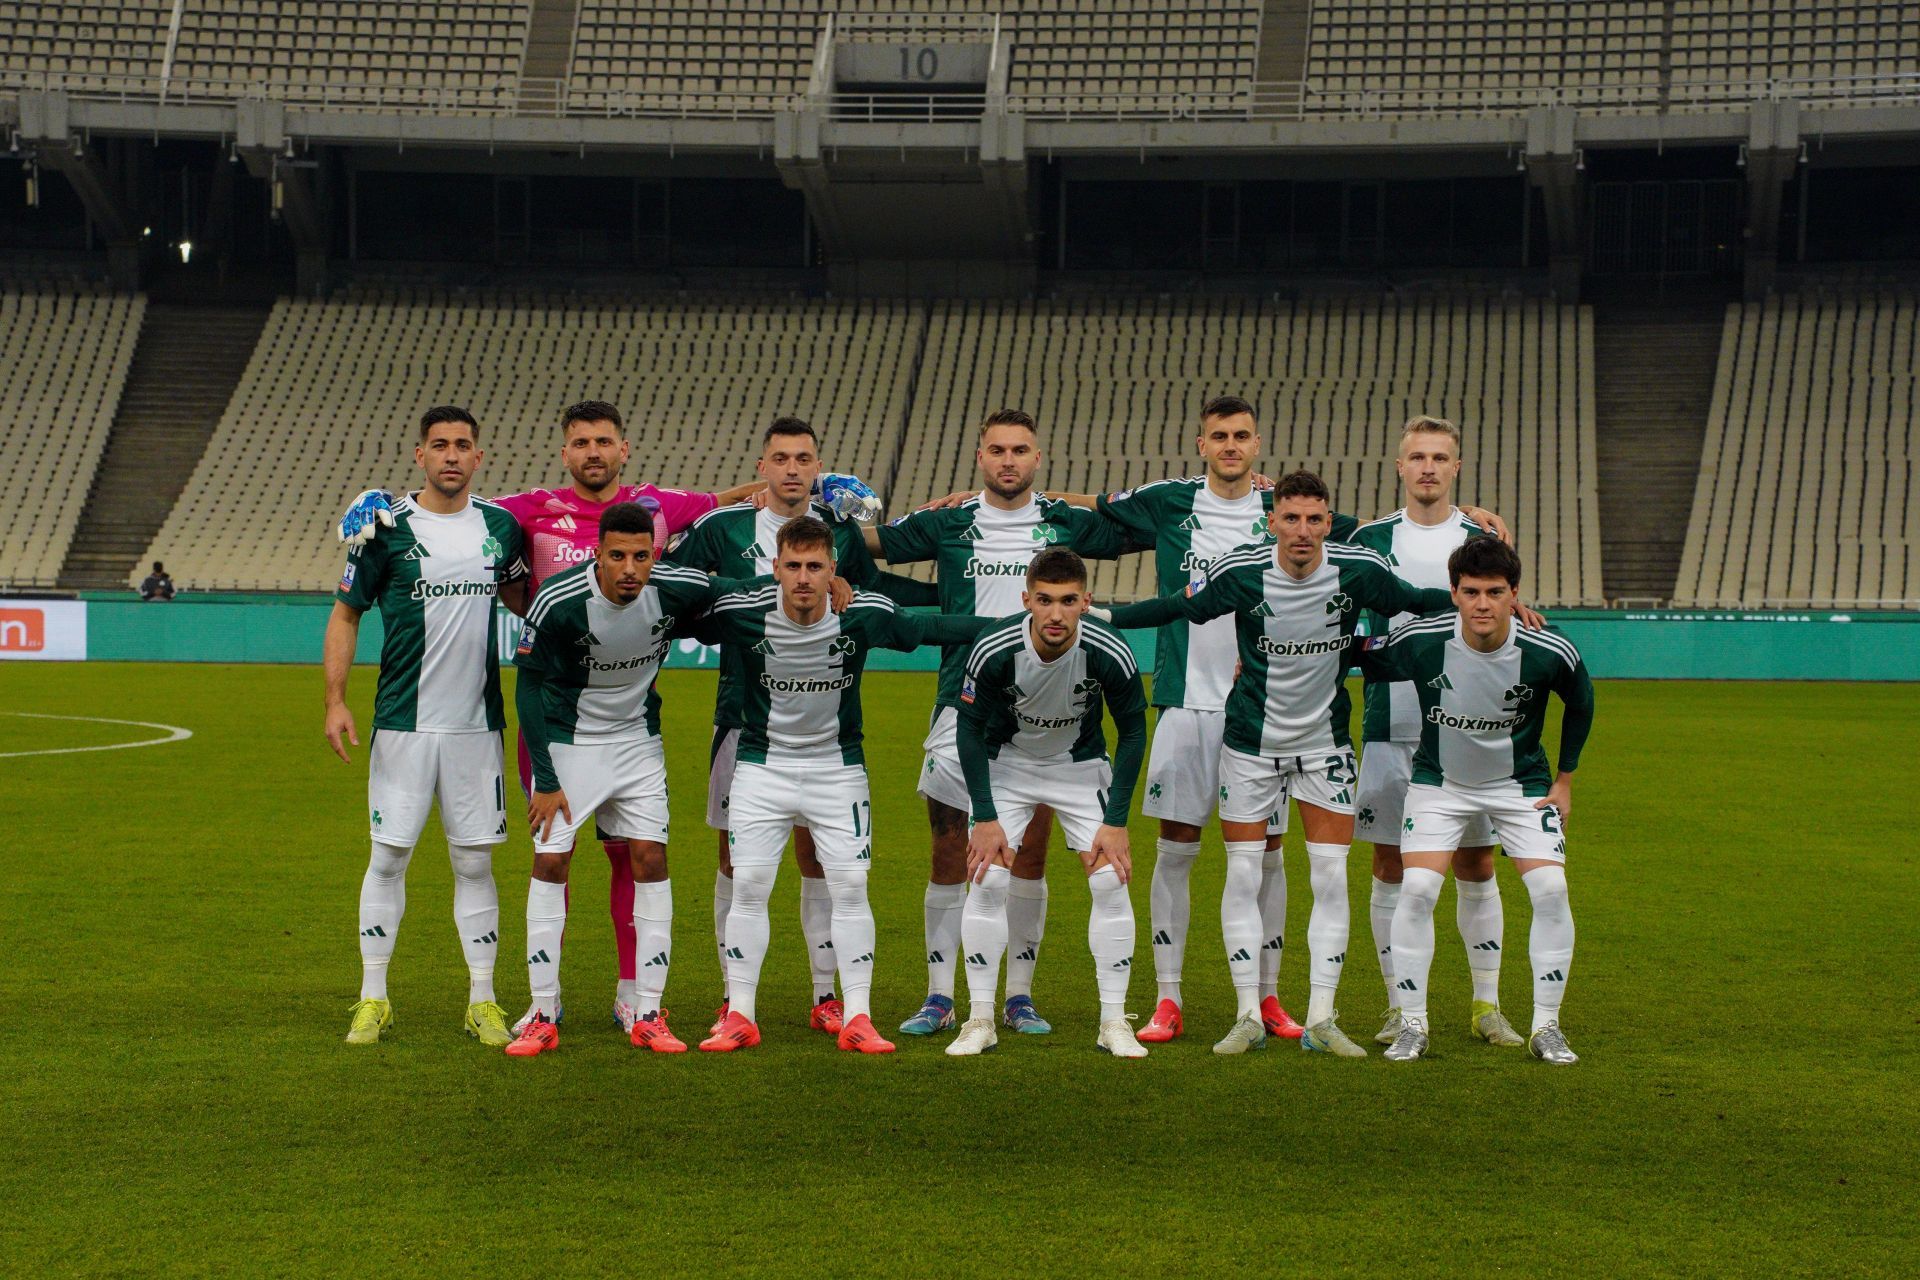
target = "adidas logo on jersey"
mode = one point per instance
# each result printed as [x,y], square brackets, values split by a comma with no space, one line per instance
[565,524]
[764,648]
[419,552]
[1189,525]
[1440,682]
[1262,610]
[972,533]
[754,553]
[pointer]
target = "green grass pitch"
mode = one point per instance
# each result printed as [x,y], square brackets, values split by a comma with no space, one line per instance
[180,928]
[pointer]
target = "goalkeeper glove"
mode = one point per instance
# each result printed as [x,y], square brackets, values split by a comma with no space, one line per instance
[365,516]
[848,497]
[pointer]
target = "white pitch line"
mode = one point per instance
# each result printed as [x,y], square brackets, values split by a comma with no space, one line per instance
[174,734]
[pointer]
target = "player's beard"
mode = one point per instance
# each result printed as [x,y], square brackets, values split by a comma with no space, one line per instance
[999,488]
[609,484]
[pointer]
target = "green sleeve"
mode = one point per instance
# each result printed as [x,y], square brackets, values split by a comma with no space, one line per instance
[984,695]
[1380,588]
[904,591]
[1137,513]
[530,702]
[1380,659]
[915,536]
[1341,528]
[513,539]
[696,550]
[364,576]
[1127,700]
[1097,538]
[1575,688]
[1221,596]
[911,630]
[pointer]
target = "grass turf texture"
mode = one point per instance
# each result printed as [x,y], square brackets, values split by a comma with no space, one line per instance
[178,1099]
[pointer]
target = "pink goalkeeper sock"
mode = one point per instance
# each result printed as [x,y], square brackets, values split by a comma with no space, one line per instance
[620,904]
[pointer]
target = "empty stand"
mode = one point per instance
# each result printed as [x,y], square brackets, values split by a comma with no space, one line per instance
[1117,388]
[84,42]
[1807,483]
[66,359]
[1720,47]
[357,50]
[1414,56]
[329,402]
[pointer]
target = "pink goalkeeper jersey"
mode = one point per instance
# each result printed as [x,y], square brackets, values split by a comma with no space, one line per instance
[562,527]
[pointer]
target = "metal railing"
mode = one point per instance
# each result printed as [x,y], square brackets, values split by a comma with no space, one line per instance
[906,108]
[1261,101]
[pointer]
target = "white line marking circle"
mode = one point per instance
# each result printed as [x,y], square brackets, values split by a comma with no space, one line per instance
[174,734]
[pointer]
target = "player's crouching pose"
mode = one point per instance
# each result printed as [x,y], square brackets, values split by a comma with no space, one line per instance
[1029,734]
[588,658]
[1296,603]
[800,763]
[1483,685]
[437,713]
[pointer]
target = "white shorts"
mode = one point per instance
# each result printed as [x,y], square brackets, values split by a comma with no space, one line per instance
[1437,817]
[1386,769]
[622,786]
[1076,791]
[407,771]
[940,776]
[830,800]
[721,757]
[1254,788]
[1183,771]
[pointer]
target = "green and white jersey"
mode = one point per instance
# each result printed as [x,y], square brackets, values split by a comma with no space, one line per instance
[1014,703]
[1293,635]
[1481,713]
[434,579]
[738,541]
[981,553]
[1188,526]
[1418,553]
[800,684]
[595,661]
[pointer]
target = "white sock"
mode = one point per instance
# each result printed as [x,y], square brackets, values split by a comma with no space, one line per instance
[1327,927]
[1550,945]
[853,930]
[816,923]
[1026,926]
[983,936]
[476,913]
[1483,923]
[722,904]
[546,925]
[1380,908]
[1273,920]
[1413,941]
[747,935]
[383,900]
[653,942]
[1170,910]
[1240,923]
[1110,938]
[941,907]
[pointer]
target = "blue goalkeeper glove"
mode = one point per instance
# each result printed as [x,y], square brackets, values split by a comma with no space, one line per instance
[848,497]
[365,516]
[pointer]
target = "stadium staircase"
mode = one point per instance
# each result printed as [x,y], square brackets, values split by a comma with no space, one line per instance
[1653,384]
[550,39]
[185,368]
[1283,41]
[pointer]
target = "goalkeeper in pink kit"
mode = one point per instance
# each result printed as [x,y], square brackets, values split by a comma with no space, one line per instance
[562,527]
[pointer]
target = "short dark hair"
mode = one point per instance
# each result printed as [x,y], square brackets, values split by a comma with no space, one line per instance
[1301,484]
[626,517]
[1009,418]
[789,426]
[1484,558]
[1057,564]
[802,532]
[157,568]
[1227,407]
[592,411]
[443,413]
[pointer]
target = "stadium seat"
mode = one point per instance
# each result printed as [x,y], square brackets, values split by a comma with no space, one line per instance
[1807,478]
[66,357]
[696,379]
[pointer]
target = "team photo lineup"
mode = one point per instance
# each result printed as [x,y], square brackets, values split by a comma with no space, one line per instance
[1268,595]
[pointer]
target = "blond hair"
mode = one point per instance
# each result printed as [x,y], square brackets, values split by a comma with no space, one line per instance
[1421,423]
